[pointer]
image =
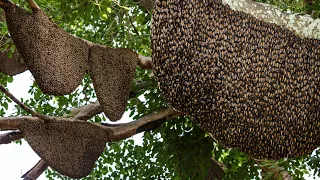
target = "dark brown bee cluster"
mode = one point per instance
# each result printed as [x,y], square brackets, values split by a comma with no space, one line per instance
[11,66]
[56,59]
[112,71]
[70,147]
[252,85]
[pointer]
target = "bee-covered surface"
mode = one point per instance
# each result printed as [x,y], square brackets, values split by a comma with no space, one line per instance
[252,85]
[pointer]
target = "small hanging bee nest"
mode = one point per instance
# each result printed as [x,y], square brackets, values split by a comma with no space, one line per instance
[56,59]
[70,147]
[252,85]
[11,66]
[112,72]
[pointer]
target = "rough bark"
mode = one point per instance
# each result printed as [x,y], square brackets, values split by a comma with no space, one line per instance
[216,170]
[129,129]
[35,171]
[85,112]
[10,137]
[304,26]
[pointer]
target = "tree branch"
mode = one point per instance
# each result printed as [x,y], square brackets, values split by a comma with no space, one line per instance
[134,27]
[303,26]
[216,170]
[23,106]
[82,113]
[85,112]
[114,133]
[118,132]
[35,171]
[10,137]
[129,129]
[145,62]
[33,4]
[14,123]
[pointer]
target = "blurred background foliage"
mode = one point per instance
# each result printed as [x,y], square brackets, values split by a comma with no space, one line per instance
[176,150]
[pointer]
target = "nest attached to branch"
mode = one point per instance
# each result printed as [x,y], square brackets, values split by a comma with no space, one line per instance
[56,59]
[70,147]
[112,72]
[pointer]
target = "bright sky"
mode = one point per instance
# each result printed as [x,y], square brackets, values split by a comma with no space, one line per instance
[17,159]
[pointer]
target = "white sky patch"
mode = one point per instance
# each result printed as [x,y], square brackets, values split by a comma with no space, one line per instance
[15,159]
[19,88]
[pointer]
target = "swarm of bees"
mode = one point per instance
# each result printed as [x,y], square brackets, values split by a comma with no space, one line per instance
[69,147]
[56,59]
[59,60]
[251,85]
[11,66]
[112,71]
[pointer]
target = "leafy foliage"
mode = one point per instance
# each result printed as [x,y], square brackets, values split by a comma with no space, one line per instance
[176,150]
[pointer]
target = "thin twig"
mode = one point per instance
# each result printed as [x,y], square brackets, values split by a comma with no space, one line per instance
[23,106]
[134,27]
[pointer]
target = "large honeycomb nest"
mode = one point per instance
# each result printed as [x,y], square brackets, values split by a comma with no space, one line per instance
[56,59]
[70,147]
[112,71]
[252,85]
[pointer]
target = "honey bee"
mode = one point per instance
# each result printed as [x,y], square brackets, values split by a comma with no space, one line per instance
[246,79]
